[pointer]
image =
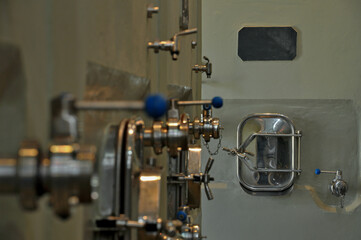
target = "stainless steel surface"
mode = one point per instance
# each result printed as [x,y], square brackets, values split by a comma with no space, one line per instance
[326,126]
[206,68]
[120,170]
[273,166]
[134,163]
[119,181]
[193,167]
[106,173]
[149,194]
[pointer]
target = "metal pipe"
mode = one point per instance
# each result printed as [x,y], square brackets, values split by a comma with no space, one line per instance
[244,158]
[199,102]
[8,183]
[276,170]
[130,224]
[109,105]
[329,172]
[299,151]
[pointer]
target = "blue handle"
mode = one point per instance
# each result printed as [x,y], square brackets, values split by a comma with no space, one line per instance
[156,105]
[181,216]
[217,102]
[317,171]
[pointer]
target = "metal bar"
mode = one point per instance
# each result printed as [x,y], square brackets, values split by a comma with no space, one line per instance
[244,158]
[199,102]
[278,134]
[185,32]
[299,151]
[130,224]
[277,170]
[329,172]
[253,135]
[109,105]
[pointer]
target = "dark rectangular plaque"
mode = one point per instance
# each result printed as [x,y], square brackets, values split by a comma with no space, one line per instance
[267,43]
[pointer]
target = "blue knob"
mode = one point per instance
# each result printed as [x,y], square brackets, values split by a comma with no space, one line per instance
[182,216]
[156,105]
[217,102]
[317,171]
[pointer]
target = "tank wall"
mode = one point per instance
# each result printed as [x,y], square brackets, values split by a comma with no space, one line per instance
[326,67]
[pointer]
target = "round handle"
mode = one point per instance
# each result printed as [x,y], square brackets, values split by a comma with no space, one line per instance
[181,216]
[317,171]
[156,105]
[217,102]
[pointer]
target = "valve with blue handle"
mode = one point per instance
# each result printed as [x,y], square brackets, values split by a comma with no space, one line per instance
[178,127]
[182,215]
[207,126]
[338,186]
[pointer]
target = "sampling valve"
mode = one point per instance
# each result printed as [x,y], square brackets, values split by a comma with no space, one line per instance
[207,68]
[338,186]
[175,134]
[171,45]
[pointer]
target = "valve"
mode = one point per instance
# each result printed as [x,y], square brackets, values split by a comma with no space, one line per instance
[182,214]
[175,134]
[171,45]
[338,186]
[207,68]
[200,178]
